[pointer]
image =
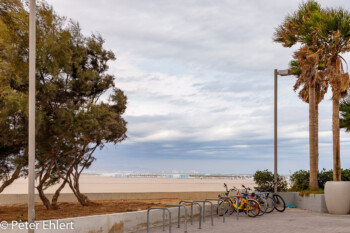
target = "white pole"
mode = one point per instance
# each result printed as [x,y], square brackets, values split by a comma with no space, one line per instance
[275,129]
[31,133]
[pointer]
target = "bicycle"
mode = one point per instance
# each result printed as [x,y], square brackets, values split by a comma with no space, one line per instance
[250,207]
[268,201]
[262,199]
[278,201]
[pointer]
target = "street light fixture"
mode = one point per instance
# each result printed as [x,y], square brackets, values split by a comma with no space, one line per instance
[276,73]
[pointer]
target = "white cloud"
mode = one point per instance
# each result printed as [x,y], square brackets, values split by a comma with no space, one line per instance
[201,70]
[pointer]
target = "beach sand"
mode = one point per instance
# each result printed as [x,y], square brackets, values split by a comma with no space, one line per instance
[106,184]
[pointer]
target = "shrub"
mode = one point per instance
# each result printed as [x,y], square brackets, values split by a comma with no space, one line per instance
[345,174]
[324,176]
[264,180]
[300,180]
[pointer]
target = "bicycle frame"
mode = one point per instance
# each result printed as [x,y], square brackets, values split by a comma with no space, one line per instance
[244,200]
[242,203]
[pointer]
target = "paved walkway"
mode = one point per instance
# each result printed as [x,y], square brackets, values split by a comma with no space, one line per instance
[290,221]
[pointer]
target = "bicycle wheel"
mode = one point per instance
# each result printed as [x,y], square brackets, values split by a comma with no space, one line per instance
[270,205]
[253,208]
[263,205]
[224,207]
[280,205]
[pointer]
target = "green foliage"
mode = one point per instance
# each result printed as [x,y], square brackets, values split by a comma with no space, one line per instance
[324,176]
[297,27]
[265,180]
[294,67]
[72,120]
[326,32]
[300,180]
[13,101]
[344,109]
[345,174]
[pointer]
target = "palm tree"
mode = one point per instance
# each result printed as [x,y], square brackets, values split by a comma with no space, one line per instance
[294,30]
[328,32]
[321,87]
[310,76]
[334,33]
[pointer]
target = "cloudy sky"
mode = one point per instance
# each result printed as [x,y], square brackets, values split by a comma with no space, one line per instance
[199,79]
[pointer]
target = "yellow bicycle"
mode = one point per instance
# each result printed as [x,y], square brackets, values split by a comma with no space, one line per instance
[228,205]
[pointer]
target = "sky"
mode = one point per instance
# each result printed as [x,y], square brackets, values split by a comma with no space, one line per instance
[198,75]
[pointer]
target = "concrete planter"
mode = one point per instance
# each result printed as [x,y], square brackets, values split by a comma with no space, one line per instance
[337,196]
[313,202]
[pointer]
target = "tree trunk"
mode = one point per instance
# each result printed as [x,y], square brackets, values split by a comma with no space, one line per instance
[83,199]
[336,142]
[58,191]
[316,136]
[312,139]
[74,185]
[57,194]
[42,180]
[44,199]
[14,176]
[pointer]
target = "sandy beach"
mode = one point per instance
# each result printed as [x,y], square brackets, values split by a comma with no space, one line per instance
[106,184]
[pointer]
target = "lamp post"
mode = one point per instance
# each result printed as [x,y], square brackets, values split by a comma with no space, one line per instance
[276,73]
[31,131]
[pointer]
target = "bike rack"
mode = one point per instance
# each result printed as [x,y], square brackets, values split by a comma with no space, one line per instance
[212,207]
[200,211]
[159,208]
[215,199]
[197,202]
[178,215]
[224,209]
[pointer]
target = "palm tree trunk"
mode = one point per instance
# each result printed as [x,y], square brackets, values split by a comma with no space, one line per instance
[316,136]
[312,138]
[336,142]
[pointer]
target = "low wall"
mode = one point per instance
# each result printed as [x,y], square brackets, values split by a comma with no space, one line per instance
[116,223]
[69,197]
[313,202]
[137,221]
